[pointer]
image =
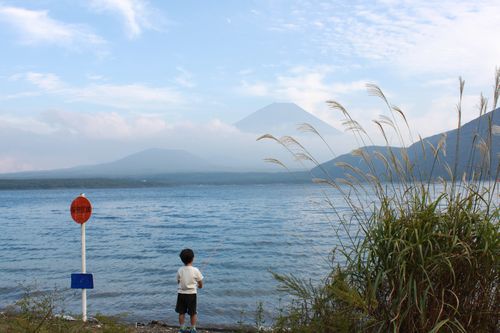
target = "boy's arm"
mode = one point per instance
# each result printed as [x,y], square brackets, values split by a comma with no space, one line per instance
[199,279]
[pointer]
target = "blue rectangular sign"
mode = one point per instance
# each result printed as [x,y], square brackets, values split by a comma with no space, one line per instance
[82,281]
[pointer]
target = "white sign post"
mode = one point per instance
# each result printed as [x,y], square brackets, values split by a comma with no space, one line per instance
[84,270]
[81,209]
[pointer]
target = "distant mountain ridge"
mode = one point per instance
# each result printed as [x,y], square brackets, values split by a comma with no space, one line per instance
[161,167]
[282,119]
[147,162]
[153,161]
[421,153]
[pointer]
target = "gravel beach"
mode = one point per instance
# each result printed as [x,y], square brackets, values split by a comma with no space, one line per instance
[160,327]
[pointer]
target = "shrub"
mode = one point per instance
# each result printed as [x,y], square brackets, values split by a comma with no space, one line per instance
[424,253]
[43,312]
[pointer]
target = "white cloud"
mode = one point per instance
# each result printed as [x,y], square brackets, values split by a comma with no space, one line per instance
[124,96]
[37,27]
[136,14]
[45,81]
[427,44]
[458,39]
[116,126]
[220,127]
[283,26]
[29,124]
[254,88]
[19,95]
[442,114]
[416,37]
[105,125]
[91,125]
[349,87]
[308,87]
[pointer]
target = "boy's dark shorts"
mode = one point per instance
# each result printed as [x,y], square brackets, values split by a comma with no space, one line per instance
[186,303]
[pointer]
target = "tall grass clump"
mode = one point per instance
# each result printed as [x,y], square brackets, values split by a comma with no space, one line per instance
[419,248]
[40,311]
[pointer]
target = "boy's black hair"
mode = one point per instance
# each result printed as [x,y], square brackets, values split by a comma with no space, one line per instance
[187,256]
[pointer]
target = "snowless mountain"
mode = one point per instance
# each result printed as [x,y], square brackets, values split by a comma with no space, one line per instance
[479,146]
[152,161]
[147,162]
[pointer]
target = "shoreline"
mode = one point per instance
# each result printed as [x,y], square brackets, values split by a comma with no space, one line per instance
[156,326]
[14,320]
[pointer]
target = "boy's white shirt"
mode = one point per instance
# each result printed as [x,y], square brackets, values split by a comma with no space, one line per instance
[188,278]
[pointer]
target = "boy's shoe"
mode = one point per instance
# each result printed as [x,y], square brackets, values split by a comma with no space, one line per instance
[184,329]
[193,330]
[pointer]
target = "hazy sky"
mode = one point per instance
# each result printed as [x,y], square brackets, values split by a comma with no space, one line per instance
[90,81]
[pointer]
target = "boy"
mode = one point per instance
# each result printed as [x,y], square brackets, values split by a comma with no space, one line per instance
[188,279]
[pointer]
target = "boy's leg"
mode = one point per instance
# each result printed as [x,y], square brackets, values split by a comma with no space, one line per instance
[193,317]
[192,311]
[181,319]
[181,308]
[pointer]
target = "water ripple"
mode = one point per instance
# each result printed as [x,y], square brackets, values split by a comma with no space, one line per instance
[239,234]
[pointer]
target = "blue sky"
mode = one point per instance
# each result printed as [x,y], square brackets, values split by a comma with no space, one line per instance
[123,75]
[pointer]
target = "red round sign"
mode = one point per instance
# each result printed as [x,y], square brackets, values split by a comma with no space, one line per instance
[81,209]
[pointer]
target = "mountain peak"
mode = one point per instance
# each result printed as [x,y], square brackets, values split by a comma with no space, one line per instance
[282,119]
[157,160]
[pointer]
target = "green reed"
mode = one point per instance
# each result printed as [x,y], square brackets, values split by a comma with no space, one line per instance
[40,311]
[424,255]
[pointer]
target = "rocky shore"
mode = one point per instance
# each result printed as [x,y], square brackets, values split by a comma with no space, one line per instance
[19,322]
[161,327]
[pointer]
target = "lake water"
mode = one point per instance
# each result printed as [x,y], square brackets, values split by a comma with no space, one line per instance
[238,233]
